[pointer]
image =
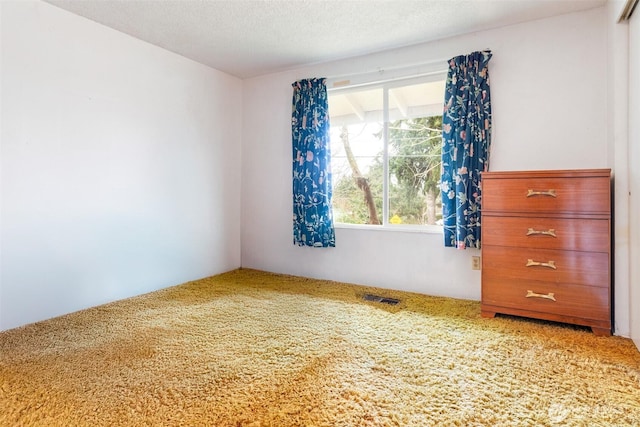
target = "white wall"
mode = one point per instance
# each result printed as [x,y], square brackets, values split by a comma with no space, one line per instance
[549,92]
[119,165]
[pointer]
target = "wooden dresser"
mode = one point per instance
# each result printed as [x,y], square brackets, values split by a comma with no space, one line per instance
[546,246]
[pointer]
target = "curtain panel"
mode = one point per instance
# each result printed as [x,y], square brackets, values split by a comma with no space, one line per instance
[312,210]
[466,139]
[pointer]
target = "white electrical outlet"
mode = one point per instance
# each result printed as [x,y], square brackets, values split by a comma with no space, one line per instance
[475,263]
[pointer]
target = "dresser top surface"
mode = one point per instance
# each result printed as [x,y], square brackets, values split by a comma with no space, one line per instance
[560,173]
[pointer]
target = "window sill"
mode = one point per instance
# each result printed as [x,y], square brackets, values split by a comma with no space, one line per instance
[426,229]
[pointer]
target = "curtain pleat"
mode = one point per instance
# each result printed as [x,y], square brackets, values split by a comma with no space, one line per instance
[466,140]
[312,211]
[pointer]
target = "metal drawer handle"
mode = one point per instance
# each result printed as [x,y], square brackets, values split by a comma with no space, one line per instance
[550,232]
[531,294]
[550,193]
[550,264]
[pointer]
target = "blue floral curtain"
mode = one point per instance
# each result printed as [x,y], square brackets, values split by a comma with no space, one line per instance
[312,214]
[466,138]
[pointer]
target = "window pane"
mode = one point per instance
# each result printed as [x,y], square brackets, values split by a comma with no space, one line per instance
[356,156]
[414,170]
[413,157]
[414,153]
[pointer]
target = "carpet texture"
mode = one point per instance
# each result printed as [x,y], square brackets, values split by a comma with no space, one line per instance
[248,348]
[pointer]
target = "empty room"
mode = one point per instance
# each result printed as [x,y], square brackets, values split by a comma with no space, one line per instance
[319,213]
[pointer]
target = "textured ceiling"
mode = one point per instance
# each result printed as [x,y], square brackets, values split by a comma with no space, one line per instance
[247,38]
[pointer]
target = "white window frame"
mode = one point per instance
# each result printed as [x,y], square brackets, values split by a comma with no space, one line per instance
[345,86]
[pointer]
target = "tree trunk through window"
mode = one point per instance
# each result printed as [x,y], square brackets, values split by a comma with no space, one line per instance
[430,197]
[360,180]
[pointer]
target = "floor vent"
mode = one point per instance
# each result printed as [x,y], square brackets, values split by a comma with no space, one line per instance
[377,298]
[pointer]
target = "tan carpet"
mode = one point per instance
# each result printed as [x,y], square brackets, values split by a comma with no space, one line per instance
[248,348]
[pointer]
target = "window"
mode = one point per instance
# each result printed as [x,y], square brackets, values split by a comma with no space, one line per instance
[386,152]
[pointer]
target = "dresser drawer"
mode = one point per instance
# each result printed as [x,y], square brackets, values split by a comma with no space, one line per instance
[545,265]
[550,233]
[573,301]
[545,195]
